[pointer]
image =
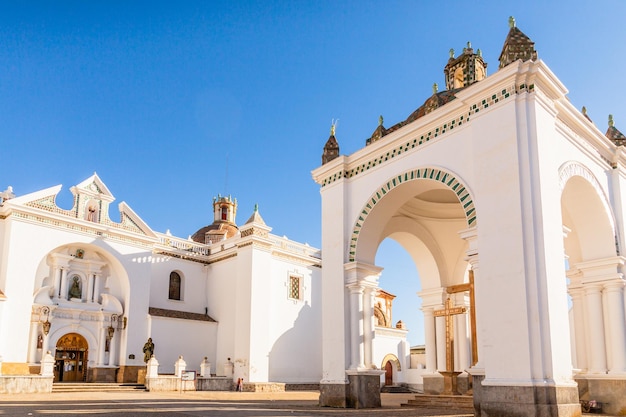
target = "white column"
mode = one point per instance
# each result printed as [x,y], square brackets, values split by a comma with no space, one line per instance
[63,290]
[580,335]
[32,351]
[101,346]
[616,326]
[431,343]
[56,273]
[368,326]
[462,345]
[595,329]
[440,329]
[356,327]
[113,350]
[96,287]
[90,282]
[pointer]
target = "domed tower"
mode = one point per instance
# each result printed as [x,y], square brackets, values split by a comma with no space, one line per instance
[223,226]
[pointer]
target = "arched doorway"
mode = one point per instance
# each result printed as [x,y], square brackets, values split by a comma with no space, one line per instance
[388,374]
[71,358]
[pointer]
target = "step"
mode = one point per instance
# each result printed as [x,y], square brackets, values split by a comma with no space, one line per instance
[456,402]
[95,386]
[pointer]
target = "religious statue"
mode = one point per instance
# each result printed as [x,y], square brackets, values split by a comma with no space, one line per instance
[148,350]
[75,291]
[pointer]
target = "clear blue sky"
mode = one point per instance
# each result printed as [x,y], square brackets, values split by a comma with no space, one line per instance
[172,103]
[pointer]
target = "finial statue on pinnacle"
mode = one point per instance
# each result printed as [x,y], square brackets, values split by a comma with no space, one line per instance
[611,122]
[256,207]
[511,22]
[333,126]
[469,45]
[435,88]
[380,120]
[584,110]
[451,53]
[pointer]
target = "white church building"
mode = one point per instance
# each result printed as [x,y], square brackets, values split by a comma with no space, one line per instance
[510,201]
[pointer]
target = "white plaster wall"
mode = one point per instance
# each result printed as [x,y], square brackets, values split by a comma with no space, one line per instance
[386,343]
[192,339]
[222,294]
[295,353]
[193,284]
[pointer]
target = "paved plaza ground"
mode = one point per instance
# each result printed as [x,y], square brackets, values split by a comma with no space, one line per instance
[232,404]
[218,404]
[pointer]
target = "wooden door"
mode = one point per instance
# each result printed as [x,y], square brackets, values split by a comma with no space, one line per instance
[71,358]
[388,373]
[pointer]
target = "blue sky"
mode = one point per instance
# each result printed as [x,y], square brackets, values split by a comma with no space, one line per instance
[172,103]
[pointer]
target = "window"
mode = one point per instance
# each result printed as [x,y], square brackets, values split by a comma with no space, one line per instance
[175,286]
[294,287]
[224,213]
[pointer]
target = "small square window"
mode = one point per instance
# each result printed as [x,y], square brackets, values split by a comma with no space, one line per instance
[294,287]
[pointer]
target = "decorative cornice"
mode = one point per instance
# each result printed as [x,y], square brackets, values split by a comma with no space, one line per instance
[432,134]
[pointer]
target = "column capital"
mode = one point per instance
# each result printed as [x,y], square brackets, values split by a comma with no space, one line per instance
[616,285]
[600,270]
[362,273]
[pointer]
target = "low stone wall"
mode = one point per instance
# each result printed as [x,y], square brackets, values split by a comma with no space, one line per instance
[25,384]
[218,383]
[609,392]
[169,383]
[173,383]
[263,387]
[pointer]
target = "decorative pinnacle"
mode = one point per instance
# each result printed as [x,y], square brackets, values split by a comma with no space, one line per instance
[479,52]
[584,110]
[469,45]
[256,207]
[333,126]
[511,22]
[435,88]
[451,53]
[611,122]
[380,120]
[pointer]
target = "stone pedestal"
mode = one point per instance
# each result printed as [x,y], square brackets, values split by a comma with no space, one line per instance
[180,366]
[152,368]
[363,390]
[333,394]
[450,382]
[47,365]
[529,401]
[205,368]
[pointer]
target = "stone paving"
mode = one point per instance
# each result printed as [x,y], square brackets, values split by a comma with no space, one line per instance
[217,404]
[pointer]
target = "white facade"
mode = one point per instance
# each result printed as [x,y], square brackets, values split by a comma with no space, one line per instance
[92,291]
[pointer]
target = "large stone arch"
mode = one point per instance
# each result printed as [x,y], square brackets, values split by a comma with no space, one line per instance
[380,198]
[587,214]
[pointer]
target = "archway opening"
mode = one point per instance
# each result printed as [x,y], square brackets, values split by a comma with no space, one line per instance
[413,233]
[70,358]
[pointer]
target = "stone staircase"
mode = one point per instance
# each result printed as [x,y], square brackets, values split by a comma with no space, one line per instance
[396,389]
[95,387]
[449,402]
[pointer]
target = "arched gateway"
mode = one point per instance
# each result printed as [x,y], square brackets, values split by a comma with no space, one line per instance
[480,185]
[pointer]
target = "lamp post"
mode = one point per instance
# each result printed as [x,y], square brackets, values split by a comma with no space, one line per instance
[46,324]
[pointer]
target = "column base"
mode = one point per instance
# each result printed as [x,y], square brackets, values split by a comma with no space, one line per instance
[528,401]
[607,390]
[361,391]
[449,382]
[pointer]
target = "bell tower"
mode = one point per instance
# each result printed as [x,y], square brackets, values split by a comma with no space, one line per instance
[224,209]
[466,69]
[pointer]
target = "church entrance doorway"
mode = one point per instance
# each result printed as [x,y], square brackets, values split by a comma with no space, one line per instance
[71,358]
[388,373]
